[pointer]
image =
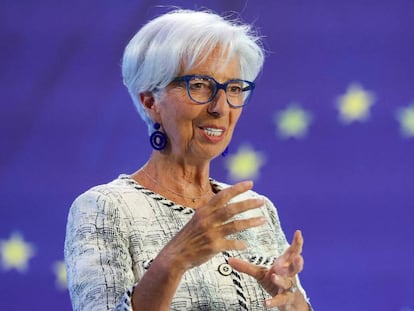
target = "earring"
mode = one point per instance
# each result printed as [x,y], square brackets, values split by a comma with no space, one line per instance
[158,139]
[225,152]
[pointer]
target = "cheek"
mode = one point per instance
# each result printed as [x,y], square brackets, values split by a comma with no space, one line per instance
[234,118]
[178,118]
[177,105]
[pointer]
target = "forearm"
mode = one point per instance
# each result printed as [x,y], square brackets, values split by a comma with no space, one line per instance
[156,289]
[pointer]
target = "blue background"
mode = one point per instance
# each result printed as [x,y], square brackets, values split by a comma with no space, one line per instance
[67,123]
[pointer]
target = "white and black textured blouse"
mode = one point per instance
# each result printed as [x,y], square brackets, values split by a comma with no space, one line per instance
[114,231]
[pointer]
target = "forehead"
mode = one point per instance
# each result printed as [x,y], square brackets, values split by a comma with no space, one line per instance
[217,64]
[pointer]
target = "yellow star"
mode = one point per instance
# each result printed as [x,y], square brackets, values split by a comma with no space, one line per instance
[245,164]
[60,271]
[355,104]
[292,122]
[15,253]
[406,118]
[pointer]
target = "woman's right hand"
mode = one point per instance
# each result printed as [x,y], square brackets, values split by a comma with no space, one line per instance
[206,233]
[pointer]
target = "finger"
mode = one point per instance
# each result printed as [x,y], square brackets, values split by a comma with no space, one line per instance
[288,265]
[246,267]
[289,268]
[280,300]
[233,245]
[240,225]
[297,263]
[295,248]
[281,282]
[236,208]
[225,195]
[297,242]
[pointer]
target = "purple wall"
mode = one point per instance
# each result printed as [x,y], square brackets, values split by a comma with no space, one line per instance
[345,177]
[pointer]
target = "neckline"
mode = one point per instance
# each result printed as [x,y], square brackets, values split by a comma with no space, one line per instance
[163,200]
[194,199]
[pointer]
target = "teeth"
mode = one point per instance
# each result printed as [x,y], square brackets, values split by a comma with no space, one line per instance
[213,132]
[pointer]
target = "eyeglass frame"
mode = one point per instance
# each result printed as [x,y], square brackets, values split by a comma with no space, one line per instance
[218,86]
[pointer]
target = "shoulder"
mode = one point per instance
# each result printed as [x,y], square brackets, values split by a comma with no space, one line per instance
[119,195]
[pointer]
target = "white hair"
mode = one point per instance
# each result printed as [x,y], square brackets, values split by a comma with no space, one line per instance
[160,49]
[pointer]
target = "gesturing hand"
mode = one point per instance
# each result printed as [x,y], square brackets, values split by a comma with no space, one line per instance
[280,280]
[205,234]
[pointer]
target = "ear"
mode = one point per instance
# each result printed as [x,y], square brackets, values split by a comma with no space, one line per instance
[148,101]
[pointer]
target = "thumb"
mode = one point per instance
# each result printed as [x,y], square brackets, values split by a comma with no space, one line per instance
[246,267]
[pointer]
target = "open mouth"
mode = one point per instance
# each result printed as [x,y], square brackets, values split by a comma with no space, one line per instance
[214,132]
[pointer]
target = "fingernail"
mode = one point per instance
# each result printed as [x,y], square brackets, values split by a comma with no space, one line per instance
[267,303]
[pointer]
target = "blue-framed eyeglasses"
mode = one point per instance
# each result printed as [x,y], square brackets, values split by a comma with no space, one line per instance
[202,89]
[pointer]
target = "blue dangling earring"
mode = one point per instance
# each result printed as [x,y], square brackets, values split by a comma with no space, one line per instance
[158,139]
[225,152]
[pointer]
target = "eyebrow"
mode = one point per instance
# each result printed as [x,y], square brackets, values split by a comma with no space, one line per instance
[211,75]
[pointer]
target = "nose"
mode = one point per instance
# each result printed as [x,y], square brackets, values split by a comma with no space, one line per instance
[219,106]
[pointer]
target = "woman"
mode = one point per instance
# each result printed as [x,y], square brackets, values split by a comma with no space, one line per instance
[168,237]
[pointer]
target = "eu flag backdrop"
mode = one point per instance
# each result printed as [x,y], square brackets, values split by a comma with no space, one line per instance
[328,136]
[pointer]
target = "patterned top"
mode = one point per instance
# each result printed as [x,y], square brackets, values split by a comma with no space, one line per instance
[114,231]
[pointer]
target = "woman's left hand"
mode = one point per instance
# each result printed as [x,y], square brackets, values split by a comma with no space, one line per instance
[280,280]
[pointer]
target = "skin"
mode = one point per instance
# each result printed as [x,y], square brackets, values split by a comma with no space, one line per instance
[279,278]
[184,166]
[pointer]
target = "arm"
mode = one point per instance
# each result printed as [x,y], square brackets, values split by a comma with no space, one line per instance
[96,253]
[278,279]
[100,267]
[157,287]
[198,241]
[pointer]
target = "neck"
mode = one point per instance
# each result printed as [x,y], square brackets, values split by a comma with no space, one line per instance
[182,183]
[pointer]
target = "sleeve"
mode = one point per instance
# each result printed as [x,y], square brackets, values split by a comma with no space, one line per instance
[274,222]
[98,263]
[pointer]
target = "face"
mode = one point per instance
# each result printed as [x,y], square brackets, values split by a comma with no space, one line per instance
[194,130]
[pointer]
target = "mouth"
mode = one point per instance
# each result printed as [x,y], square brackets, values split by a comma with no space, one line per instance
[213,132]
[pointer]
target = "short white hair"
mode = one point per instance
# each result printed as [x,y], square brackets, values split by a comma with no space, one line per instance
[157,52]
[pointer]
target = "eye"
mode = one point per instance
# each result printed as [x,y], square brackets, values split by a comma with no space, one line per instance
[234,88]
[200,84]
[197,85]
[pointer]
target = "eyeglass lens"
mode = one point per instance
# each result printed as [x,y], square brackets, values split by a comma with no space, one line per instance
[204,89]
